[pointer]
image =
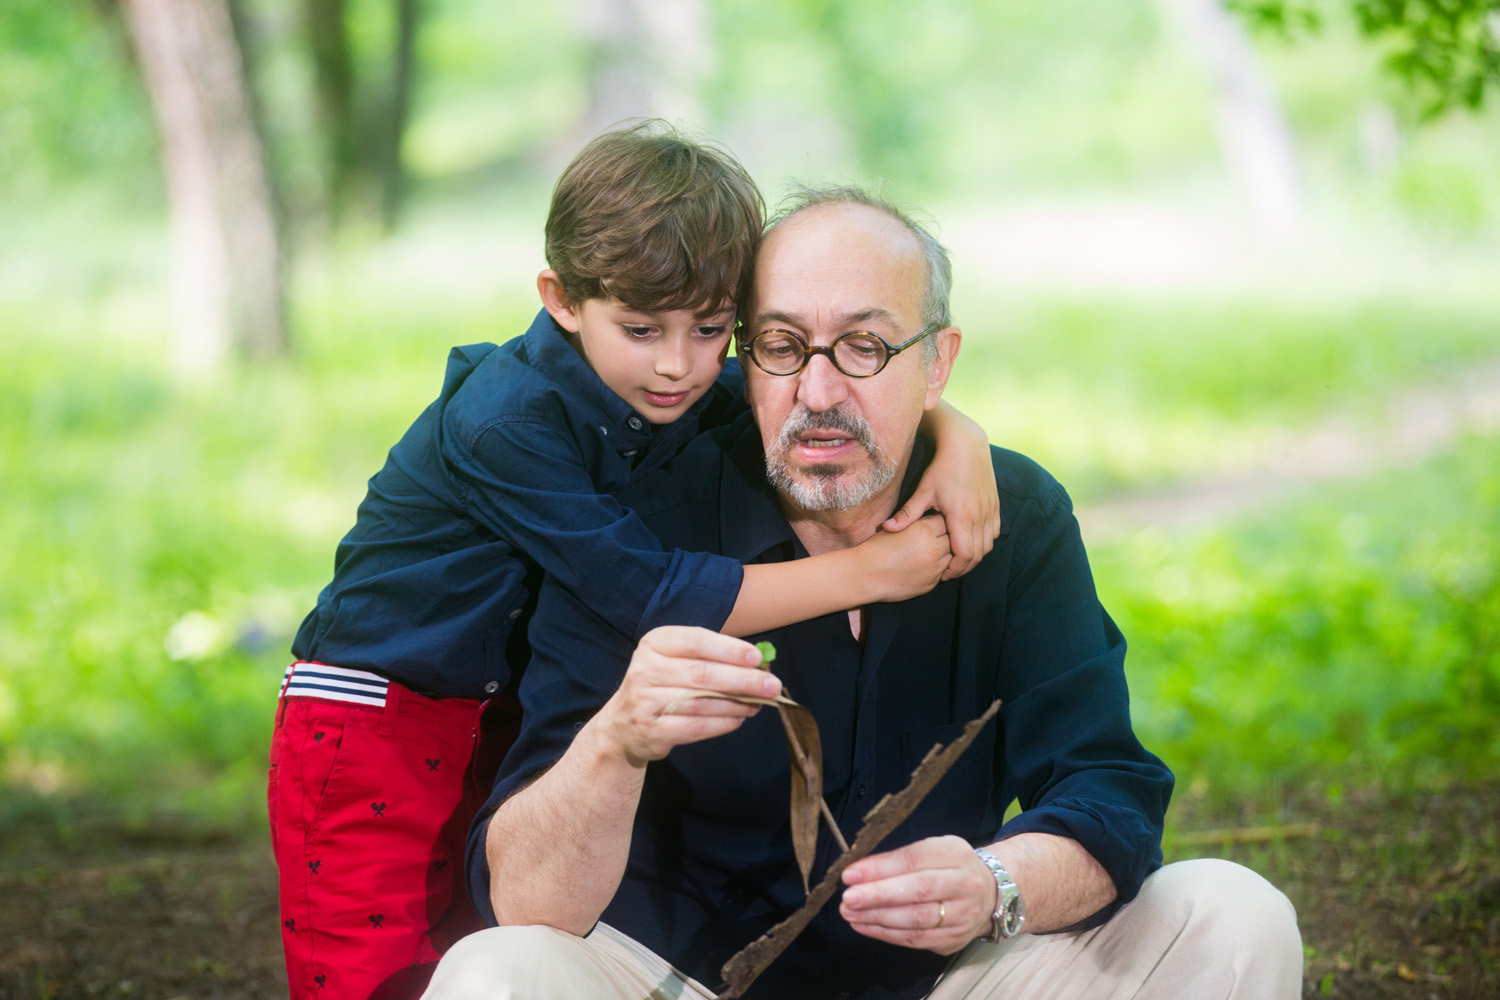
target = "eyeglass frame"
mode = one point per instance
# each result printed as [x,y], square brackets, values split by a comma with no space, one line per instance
[808,350]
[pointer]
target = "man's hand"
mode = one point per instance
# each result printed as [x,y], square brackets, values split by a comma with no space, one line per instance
[934,894]
[648,715]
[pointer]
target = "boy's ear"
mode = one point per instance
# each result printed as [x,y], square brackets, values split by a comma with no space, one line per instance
[556,301]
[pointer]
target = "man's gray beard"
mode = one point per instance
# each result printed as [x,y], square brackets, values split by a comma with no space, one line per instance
[827,487]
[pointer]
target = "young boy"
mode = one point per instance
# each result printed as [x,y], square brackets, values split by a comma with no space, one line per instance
[373,781]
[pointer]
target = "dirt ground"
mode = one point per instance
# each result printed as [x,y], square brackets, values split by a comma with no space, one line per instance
[1397,899]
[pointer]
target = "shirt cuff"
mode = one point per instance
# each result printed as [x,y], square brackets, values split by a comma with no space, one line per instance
[697,589]
[1119,839]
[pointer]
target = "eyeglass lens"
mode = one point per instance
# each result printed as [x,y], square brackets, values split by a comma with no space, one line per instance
[781,353]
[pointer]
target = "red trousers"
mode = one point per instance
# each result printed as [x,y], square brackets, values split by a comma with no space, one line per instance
[370,808]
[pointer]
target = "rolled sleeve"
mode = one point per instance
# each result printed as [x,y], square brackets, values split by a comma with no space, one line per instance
[1069,752]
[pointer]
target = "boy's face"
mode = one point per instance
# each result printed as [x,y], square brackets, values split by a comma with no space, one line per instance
[661,363]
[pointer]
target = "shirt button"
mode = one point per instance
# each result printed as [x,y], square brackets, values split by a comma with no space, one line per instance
[860,791]
[636,423]
[492,687]
[515,614]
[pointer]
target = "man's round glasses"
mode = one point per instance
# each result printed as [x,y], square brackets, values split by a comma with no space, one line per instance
[858,353]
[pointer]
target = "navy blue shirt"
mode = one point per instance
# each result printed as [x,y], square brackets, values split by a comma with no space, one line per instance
[509,472]
[711,864]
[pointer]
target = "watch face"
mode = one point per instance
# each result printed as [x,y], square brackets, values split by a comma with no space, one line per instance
[1015,915]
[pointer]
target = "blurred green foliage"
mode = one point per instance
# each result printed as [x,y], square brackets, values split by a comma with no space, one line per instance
[955,98]
[70,102]
[1122,393]
[1448,53]
[1351,638]
[163,540]
[159,541]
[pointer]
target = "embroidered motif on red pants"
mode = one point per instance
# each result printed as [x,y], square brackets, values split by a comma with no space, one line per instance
[370,807]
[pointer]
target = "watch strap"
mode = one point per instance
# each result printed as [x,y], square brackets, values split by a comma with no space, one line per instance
[1010,913]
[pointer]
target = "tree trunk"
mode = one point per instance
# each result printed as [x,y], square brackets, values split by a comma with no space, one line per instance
[1254,138]
[392,171]
[226,267]
[333,81]
[646,58]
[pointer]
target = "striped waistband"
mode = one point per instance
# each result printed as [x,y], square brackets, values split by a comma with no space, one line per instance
[317,680]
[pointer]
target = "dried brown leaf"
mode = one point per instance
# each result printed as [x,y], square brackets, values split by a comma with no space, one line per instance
[749,962]
[806,751]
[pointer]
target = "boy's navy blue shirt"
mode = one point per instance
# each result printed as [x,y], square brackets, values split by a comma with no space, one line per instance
[711,864]
[507,473]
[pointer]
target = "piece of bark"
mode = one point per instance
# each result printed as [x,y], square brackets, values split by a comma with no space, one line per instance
[749,962]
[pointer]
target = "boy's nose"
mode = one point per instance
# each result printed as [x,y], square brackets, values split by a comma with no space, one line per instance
[820,386]
[674,360]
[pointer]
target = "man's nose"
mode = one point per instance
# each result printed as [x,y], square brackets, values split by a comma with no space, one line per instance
[820,386]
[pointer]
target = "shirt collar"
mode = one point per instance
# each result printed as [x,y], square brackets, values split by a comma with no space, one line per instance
[553,354]
[750,510]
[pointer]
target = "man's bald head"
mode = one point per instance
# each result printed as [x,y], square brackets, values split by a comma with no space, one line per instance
[937,268]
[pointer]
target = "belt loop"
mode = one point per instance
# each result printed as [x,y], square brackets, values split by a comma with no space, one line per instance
[393,693]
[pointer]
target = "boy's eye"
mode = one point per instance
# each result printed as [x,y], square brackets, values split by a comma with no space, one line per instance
[712,332]
[638,332]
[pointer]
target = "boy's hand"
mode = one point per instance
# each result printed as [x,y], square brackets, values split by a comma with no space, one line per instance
[670,662]
[959,484]
[905,564]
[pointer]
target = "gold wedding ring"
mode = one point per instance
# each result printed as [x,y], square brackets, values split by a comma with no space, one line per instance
[942,915]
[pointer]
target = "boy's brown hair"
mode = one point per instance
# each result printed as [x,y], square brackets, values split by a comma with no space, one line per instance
[656,220]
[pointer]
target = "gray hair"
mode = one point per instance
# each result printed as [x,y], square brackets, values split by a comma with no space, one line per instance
[934,255]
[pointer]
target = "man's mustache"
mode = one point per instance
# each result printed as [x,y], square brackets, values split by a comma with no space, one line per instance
[802,420]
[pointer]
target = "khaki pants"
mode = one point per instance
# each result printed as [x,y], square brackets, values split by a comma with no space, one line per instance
[1199,930]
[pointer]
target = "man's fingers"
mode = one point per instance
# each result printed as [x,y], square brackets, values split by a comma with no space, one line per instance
[923,856]
[680,729]
[674,676]
[697,702]
[678,657]
[688,642]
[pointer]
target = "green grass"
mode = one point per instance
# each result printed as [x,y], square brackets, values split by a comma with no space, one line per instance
[1124,392]
[1350,637]
[160,541]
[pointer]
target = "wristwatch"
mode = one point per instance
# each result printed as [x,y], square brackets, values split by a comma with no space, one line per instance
[1010,911]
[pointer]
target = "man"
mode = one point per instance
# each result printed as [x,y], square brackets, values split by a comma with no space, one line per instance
[638,839]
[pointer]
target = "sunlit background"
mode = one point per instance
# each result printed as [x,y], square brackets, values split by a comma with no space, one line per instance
[1237,286]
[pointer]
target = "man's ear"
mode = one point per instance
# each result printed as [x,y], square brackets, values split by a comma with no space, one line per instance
[556,301]
[949,340]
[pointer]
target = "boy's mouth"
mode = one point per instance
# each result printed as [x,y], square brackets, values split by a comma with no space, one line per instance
[664,399]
